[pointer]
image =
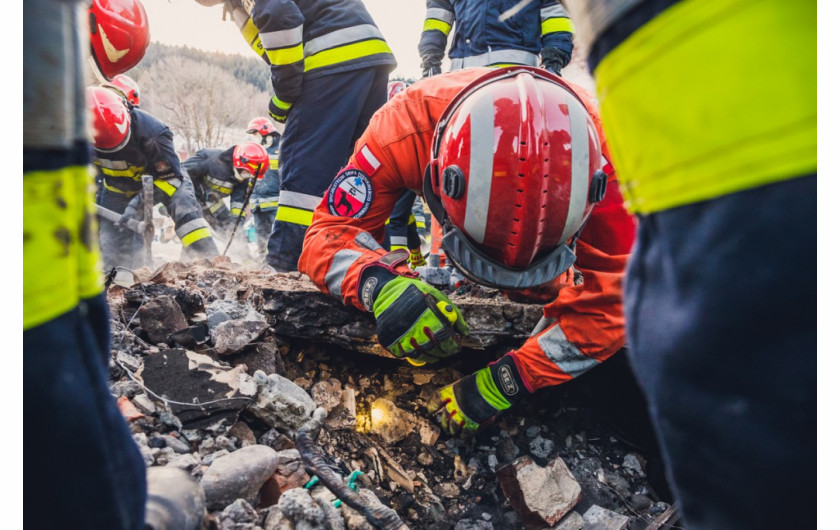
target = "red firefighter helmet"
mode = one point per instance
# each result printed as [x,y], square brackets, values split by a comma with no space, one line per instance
[119,35]
[261,126]
[110,120]
[395,87]
[127,87]
[514,174]
[250,159]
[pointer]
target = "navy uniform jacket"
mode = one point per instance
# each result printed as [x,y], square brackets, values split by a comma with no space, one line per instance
[211,171]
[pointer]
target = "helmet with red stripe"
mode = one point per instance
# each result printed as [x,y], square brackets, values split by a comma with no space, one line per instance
[127,87]
[395,87]
[119,35]
[110,120]
[515,173]
[249,160]
[261,126]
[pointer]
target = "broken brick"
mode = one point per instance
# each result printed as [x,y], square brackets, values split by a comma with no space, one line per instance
[128,410]
[540,495]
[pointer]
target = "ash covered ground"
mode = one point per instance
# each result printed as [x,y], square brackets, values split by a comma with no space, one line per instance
[216,368]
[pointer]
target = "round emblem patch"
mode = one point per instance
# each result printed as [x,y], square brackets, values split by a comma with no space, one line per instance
[350,194]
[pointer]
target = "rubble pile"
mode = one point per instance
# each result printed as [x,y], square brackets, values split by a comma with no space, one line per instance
[217,368]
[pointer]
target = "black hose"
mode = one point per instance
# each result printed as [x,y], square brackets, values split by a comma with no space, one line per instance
[380,517]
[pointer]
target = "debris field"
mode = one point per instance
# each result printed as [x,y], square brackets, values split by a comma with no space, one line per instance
[219,368]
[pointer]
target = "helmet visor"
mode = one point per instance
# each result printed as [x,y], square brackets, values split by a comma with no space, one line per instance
[483,270]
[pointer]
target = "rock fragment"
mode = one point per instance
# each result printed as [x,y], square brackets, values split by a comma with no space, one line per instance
[540,495]
[597,518]
[239,515]
[280,403]
[290,473]
[300,507]
[160,317]
[231,336]
[174,500]
[238,475]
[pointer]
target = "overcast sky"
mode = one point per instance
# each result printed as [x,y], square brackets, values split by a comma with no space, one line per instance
[186,22]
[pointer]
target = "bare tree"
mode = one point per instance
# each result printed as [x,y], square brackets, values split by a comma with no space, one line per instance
[207,105]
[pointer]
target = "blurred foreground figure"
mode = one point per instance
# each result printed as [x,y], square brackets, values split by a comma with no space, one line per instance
[83,469]
[710,107]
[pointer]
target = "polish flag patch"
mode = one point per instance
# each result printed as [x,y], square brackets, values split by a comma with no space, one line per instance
[367,162]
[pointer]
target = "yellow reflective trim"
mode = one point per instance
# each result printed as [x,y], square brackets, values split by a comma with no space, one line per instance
[398,247]
[273,164]
[117,190]
[684,129]
[421,224]
[346,53]
[433,23]
[284,56]
[195,235]
[61,259]
[294,215]
[411,219]
[236,211]
[220,189]
[166,187]
[264,205]
[252,36]
[133,172]
[555,24]
[215,206]
[282,105]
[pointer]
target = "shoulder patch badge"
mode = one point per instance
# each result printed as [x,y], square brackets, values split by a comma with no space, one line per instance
[350,194]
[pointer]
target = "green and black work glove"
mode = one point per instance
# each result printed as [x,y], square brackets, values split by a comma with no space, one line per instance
[414,321]
[475,401]
[278,109]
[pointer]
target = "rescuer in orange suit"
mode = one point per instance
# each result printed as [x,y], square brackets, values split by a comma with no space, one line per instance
[525,145]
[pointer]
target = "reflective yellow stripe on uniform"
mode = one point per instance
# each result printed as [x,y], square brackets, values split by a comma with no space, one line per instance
[61,260]
[553,25]
[166,187]
[292,215]
[346,53]
[117,190]
[195,235]
[343,45]
[717,116]
[273,163]
[432,24]
[285,55]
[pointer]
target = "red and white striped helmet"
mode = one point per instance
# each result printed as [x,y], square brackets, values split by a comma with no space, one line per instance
[110,120]
[515,172]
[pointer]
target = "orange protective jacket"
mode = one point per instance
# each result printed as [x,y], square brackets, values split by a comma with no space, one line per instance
[587,320]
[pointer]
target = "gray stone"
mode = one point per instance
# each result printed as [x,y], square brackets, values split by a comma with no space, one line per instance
[132,362]
[332,515]
[275,520]
[633,466]
[186,462]
[492,462]
[541,447]
[470,524]
[280,403]
[212,457]
[238,475]
[532,431]
[597,518]
[165,456]
[448,490]
[174,500]
[239,514]
[176,444]
[540,495]
[298,505]
[231,336]
[128,389]
[146,405]
[161,317]
[573,521]
[327,394]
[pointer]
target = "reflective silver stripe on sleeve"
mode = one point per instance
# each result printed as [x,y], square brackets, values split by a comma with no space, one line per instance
[365,240]
[555,11]
[189,226]
[580,168]
[282,38]
[563,353]
[338,270]
[495,57]
[399,240]
[440,14]
[111,164]
[218,182]
[340,37]
[298,200]
[237,205]
[482,138]
[240,17]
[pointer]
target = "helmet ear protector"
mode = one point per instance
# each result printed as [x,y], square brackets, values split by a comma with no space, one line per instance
[460,251]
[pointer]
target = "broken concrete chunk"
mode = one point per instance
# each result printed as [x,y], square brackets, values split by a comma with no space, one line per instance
[327,394]
[231,336]
[597,518]
[161,317]
[237,515]
[275,520]
[280,403]
[238,475]
[573,521]
[300,507]
[540,495]
[206,394]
